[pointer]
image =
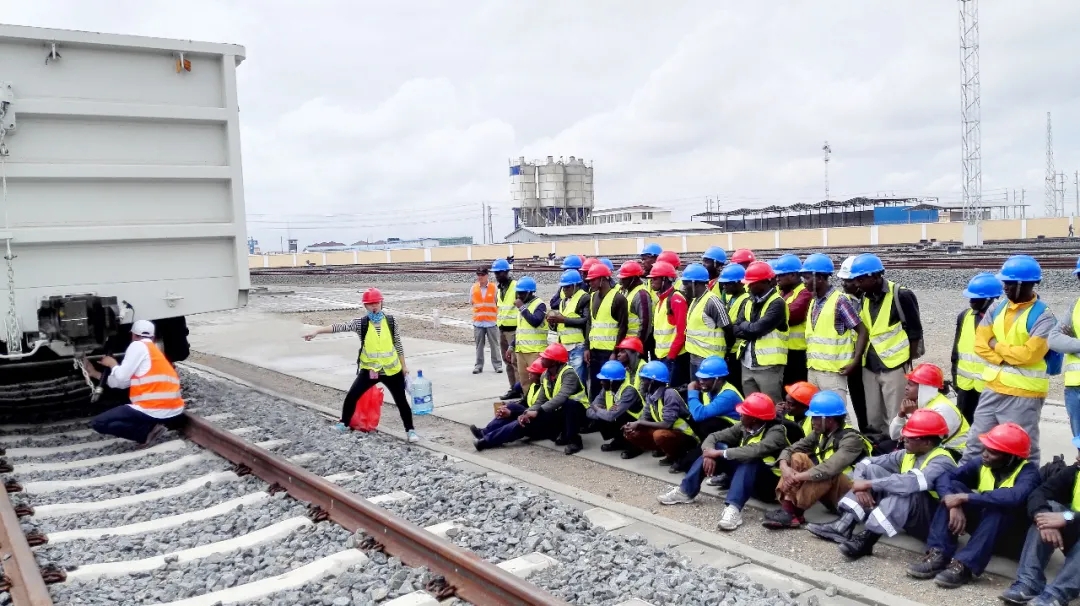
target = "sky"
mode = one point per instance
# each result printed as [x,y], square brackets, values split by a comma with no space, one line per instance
[368,120]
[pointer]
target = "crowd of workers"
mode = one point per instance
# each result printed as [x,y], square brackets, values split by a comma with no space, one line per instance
[769,380]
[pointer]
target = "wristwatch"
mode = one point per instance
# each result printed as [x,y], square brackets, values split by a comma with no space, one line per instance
[1068,515]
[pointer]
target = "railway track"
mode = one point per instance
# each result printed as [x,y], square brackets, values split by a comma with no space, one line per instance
[71,491]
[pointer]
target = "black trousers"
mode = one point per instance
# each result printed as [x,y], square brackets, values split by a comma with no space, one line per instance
[395,383]
[597,357]
[734,367]
[795,370]
[858,396]
[967,400]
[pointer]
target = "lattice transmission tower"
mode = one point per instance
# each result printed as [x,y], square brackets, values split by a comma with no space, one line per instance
[970,109]
[1053,209]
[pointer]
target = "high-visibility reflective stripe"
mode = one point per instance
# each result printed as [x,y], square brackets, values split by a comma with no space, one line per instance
[796,337]
[508,314]
[159,388]
[826,349]
[701,340]
[154,379]
[663,331]
[969,365]
[604,330]
[157,395]
[657,413]
[580,397]
[571,336]
[770,349]
[610,398]
[529,338]
[633,321]
[886,525]
[988,483]
[485,308]
[890,341]
[378,351]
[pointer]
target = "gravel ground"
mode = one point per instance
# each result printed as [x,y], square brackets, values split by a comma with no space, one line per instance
[78,473]
[58,440]
[100,493]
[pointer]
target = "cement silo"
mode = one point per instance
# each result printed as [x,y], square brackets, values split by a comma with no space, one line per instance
[523,194]
[563,192]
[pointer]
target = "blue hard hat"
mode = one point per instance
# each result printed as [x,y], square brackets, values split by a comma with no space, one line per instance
[656,371]
[827,404]
[712,367]
[570,277]
[695,272]
[500,265]
[715,253]
[653,249]
[732,273]
[1020,268]
[571,262]
[1077,270]
[984,286]
[787,264]
[1076,441]
[607,263]
[818,263]
[527,284]
[612,371]
[866,264]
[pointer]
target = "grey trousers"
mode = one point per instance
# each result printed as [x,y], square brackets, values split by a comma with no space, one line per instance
[504,343]
[996,408]
[884,392]
[834,381]
[768,380]
[894,513]
[489,335]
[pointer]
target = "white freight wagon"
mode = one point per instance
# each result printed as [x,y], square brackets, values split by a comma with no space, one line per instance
[122,197]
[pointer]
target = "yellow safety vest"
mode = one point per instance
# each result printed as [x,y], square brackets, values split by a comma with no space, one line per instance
[656,411]
[988,483]
[908,463]
[970,365]
[706,397]
[716,289]
[827,446]
[634,322]
[805,424]
[1075,505]
[889,341]
[768,460]
[734,304]
[534,391]
[581,397]
[1032,377]
[529,338]
[700,339]
[508,314]
[1071,367]
[960,435]
[378,352]
[826,349]
[771,349]
[604,330]
[635,376]
[570,336]
[796,338]
[609,399]
[664,332]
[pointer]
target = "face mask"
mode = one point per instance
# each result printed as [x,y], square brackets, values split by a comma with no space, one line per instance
[376,316]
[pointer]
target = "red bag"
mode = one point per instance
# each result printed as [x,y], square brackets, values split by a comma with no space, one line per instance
[368,410]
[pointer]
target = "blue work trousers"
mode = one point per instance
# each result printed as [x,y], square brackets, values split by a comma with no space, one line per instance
[577,362]
[126,422]
[985,524]
[1032,570]
[1072,406]
[745,476]
[567,420]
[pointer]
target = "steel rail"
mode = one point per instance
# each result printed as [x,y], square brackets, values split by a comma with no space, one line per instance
[473,579]
[20,567]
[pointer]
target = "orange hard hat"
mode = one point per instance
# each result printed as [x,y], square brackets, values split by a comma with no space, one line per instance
[802,391]
[556,353]
[372,295]
[757,405]
[743,255]
[660,269]
[758,271]
[924,423]
[536,367]
[631,269]
[633,344]
[598,270]
[669,256]
[1009,438]
[927,374]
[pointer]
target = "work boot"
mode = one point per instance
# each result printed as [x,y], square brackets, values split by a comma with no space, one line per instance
[630,453]
[513,394]
[933,562]
[480,444]
[860,545]
[666,461]
[955,575]
[153,437]
[479,435]
[1018,594]
[618,443]
[573,446]
[837,531]
[778,519]
[561,441]
[477,371]
[657,454]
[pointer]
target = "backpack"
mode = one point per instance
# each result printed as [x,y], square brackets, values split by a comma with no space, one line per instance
[920,348]
[1054,360]
[1053,467]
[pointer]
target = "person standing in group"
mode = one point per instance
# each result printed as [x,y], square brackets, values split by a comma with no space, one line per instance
[761,331]
[744,257]
[381,359]
[669,324]
[891,315]
[856,393]
[640,298]
[835,335]
[733,296]
[672,258]
[609,321]
[569,262]
[789,282]
[648,257]
[714,260]
[507,321]
[571,320]
[530,336]
[485,315]
[706,320]
[1063,339]
[1012,339]
[967,366]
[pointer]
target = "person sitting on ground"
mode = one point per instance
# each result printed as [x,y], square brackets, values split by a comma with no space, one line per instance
[926,389]
[1053,508]
[891,491]
[814,468]
[746,452]
[711,399]
[618,403]
[984,496]
[153,386]
[508,412]
[558,411]
[797,403]
[664,430]
[630,352]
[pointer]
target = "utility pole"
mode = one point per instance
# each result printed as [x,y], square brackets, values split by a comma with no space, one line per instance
[490,229]
[828,153]
[483,222]
[971,120]
[1076,188]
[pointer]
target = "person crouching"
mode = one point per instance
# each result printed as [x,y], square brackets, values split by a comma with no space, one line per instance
[618,403]
[665,430]
[507,414]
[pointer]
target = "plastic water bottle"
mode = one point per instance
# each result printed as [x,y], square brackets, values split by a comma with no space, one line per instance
[422,404]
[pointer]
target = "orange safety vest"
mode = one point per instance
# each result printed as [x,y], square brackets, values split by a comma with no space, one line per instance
[484,308]
[158,389]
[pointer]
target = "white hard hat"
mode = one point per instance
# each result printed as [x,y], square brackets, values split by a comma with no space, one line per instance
[845,268]
[143,328]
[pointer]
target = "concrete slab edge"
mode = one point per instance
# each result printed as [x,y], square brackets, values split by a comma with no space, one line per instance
[817,578]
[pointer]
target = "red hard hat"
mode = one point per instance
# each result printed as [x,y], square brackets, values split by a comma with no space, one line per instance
[631,269]
[587,264]
[633,344]
[556,353]
[536,367]
[801,391]
[757,405]
[598,270]
[1009,438]
[661,269]
[758,271]
[669,256]
[924,423]
[372,295]
[927,374]
[743,255]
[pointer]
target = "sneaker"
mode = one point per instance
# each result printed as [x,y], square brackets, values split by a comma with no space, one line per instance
[730,519]
[498,370]
[675,496]
[778,518]
[1045,601]
[411,436]
[933,562]
[479,435]
[340,427]
[477,371]
[955,575]
[722,481]
[1018,594]
[155,435]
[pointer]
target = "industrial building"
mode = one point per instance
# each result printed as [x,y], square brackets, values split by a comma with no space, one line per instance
[610,230]
[630,214]
[552,192]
